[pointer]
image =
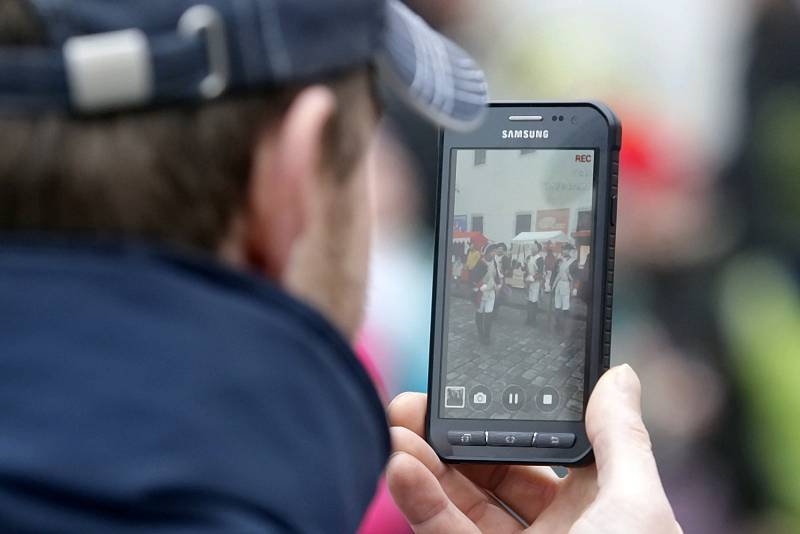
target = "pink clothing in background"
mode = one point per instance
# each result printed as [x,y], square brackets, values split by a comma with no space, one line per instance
[383,517]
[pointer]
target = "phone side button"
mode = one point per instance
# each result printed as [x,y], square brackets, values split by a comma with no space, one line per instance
[554,441]
[510,439]
[475,437]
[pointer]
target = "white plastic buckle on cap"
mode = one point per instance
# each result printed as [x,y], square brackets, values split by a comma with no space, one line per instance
[108,70]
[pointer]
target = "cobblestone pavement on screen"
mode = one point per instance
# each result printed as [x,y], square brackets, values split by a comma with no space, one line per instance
[529,357]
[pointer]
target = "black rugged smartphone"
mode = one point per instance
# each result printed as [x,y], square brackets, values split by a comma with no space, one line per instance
[523,285]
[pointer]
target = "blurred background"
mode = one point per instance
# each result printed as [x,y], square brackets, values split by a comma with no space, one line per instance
[707,303]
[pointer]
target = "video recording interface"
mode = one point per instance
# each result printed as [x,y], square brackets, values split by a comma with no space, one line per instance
[518,293]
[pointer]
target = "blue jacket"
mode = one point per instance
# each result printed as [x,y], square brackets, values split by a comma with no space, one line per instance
[143,390]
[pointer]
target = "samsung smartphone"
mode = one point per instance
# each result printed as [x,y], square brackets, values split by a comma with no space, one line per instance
[524,276]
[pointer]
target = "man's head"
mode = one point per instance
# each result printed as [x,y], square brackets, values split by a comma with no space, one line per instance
[271,181]
[500,250]
[271,177]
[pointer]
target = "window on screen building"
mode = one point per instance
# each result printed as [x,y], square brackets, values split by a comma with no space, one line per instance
[585,221]
[523,223]
[477,223]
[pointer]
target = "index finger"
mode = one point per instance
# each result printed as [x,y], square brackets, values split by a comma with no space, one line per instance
[526,489]
[408,410]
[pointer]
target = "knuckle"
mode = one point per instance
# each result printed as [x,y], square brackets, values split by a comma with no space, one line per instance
[630,431]
[639,436]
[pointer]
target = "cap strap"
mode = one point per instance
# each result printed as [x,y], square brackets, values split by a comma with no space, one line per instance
[108,70]
[119,69]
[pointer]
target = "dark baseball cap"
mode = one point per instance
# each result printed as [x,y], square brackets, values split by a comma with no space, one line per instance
[107,55]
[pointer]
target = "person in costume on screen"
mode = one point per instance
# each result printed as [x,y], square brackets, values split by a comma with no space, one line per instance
[502,267]
[562,286]
[534,273]
[476,275]
[486,284]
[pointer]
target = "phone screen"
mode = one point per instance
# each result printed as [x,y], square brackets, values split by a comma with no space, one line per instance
[519,284]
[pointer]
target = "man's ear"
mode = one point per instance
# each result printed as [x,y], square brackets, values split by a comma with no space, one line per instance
[284,179]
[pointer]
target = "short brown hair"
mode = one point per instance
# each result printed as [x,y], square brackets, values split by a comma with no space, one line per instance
[175,174]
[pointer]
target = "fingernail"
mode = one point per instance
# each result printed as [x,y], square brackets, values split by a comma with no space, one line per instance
[625,378]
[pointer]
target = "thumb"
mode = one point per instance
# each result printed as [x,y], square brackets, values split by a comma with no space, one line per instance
[630,494]
[614,425]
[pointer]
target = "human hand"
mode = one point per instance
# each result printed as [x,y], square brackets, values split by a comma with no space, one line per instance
[621,493]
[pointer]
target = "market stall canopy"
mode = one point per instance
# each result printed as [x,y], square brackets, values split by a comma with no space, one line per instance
[525,238]
[476,238]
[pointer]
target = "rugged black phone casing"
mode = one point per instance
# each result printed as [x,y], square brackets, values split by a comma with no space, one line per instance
[586,125]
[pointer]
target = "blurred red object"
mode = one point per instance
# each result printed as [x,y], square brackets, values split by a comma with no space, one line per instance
[651,157]
[667,211]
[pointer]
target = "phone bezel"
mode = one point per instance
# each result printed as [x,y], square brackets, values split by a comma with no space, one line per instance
[595,127]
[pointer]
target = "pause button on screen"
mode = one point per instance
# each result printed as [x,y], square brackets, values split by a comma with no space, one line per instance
[513,398]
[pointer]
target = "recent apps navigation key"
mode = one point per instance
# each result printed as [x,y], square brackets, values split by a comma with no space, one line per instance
[467,438]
